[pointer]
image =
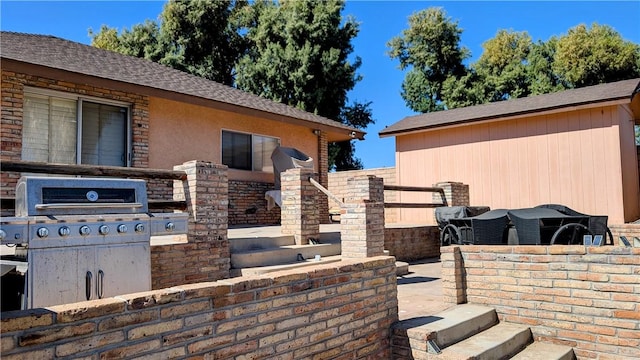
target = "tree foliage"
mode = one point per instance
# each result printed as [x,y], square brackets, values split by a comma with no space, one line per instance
[502,66]
[590,56]
[511,65]
[200,37]
[291,51]
[430,49]
[299,55]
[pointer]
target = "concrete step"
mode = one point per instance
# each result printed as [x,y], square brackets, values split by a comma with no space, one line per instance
[287,254]
[458,323]
[267,269]
[259,243]
[402,268]
[540,350]
[499,342]
[255,239]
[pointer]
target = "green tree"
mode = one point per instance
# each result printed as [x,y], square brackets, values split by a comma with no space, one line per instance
[590,56]
[200,37]
[143,40]
[299,55]
[430,49]
[503,66]
[205,34]
[542,78]
[341,154]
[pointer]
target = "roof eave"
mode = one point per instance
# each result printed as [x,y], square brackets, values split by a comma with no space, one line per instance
[335,133]
[508,116]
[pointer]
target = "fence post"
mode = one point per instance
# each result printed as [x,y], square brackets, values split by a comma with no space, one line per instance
[362,218]
[454,283]
[457,193]
[300,215]
[206,256]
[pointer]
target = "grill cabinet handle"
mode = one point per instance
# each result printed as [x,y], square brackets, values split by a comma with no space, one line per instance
[88,206]
[100,284]
[88,284]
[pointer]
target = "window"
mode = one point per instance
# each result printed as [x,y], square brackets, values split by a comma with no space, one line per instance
[57,129]
[247,151]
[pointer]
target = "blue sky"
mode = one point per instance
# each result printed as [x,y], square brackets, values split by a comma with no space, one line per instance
[379,22]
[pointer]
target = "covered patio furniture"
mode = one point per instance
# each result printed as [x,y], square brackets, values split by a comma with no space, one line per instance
[597,223]
[544,226]
[444,215]
[489,228]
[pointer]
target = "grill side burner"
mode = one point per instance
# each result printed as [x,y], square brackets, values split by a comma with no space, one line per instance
[85,238]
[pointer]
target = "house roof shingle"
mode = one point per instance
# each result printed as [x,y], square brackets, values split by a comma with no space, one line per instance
[569,98]
[61,54]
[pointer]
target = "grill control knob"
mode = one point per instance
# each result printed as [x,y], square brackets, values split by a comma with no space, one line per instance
[170,226]
[85,230]
[103,230]
[3,234]
[122,228]
[139,228]
[64,231]
[43,232]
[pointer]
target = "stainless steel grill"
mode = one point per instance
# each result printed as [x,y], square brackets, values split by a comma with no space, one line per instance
[82,238]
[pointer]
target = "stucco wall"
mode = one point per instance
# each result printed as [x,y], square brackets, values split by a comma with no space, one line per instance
[180,132]
[341,310]
[586,298]
[572,158]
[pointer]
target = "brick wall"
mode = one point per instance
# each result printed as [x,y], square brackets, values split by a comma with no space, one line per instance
[409,243]
[13,84]
[247,204]
[206,256]
[630,231]
[340,311]
[338,187]
[587,298]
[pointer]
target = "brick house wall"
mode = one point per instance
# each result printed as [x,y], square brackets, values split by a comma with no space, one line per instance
[340,311]
[13,84]
[584,297]
[247,204]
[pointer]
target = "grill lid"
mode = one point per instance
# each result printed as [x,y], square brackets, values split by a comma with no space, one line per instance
[38,196]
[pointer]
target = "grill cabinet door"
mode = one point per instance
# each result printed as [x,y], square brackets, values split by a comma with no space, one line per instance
[126,268]
[58,275]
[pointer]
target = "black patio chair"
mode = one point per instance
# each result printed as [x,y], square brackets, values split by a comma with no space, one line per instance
[450,233]
[597,223]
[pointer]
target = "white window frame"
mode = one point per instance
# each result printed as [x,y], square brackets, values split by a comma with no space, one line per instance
[31,91]
[253,135]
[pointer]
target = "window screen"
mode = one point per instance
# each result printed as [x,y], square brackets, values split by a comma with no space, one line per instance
[49,130]
[103,134]
[248,152]
[236,150]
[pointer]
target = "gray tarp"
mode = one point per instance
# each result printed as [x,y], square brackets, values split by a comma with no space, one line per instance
[285,158]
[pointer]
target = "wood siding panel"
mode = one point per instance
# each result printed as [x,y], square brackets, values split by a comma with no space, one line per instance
[630,181]
[570,158]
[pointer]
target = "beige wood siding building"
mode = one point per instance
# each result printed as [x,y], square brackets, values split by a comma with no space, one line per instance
[575,147]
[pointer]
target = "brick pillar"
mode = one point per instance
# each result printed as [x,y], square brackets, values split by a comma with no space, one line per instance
[206,255]
[323,177]
[299,212]
[362,218]
[454,289]
[457,193]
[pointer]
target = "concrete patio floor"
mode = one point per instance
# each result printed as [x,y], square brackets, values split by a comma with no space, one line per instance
[419,292]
